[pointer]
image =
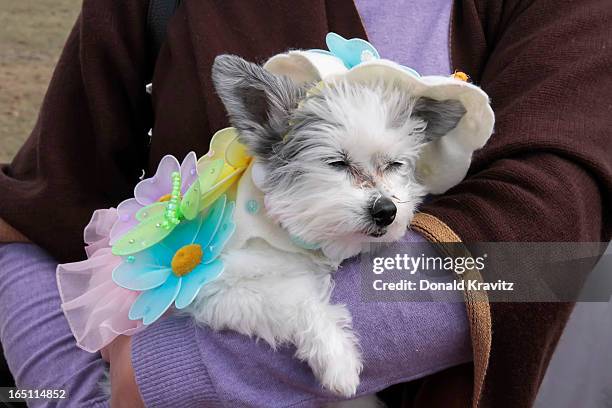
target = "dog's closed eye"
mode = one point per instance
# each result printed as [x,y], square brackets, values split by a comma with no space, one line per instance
[338,161]
[394,165]
[339,164]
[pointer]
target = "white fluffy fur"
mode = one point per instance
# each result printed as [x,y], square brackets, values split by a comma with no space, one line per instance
[372,125]
[283,297]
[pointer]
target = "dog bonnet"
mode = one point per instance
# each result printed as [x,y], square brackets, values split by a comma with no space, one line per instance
[444,162]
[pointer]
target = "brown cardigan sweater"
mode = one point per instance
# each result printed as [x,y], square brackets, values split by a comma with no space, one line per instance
[546,174]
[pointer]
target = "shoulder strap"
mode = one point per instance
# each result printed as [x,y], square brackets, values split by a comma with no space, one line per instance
[160,12]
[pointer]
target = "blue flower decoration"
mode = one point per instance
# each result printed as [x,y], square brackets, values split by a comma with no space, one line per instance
[175,269]
[354,51]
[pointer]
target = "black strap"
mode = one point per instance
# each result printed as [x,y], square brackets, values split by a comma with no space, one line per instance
[160,12]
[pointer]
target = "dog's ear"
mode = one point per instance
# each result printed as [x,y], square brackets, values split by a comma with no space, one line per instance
[440,165]
[258,102]
[440,116]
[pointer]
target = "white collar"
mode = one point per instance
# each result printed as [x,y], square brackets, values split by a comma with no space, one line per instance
[252,222]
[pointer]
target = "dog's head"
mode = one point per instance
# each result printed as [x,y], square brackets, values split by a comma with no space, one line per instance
[339,159]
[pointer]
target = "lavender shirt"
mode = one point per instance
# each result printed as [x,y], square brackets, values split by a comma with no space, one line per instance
[178,364]
[411,32]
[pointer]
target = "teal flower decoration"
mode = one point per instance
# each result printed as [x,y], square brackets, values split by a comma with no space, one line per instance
[175,269]
[354,51]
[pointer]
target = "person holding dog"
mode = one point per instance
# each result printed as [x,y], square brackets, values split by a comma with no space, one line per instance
[544,176]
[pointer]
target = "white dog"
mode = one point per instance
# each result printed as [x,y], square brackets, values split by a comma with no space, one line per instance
[334,171]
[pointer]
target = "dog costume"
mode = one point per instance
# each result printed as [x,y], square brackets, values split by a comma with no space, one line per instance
[158,249]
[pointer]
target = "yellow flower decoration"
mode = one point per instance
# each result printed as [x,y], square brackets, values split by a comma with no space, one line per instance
[224,145]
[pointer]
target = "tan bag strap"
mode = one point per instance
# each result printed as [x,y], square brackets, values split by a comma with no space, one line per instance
[476,301]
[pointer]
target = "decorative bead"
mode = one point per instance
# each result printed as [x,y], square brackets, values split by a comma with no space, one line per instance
[252,206]
[172,214]
[461,76]
[130,259]
[131,241]
[192,172]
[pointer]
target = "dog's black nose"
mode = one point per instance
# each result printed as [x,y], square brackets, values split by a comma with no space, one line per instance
[383,211]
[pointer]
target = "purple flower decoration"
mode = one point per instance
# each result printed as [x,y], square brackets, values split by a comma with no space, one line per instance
[154,189]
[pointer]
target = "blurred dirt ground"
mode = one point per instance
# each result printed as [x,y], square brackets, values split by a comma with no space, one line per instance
[32,33]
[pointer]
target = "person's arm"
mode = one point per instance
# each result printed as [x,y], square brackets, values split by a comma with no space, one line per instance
[546,173]
[177,363]
[89,143]
[37,343]
[124,390]
[9,234]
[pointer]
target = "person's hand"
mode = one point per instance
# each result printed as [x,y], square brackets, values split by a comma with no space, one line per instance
[124,390]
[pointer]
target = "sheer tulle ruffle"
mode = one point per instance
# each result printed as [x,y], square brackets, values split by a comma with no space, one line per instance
[96,307]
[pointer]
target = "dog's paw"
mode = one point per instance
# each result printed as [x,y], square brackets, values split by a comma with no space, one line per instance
[341,376]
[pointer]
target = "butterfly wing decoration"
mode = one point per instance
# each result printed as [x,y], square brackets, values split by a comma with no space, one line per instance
[158,220]
[146,234]
[191,201]
[153,210]
[226,147]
